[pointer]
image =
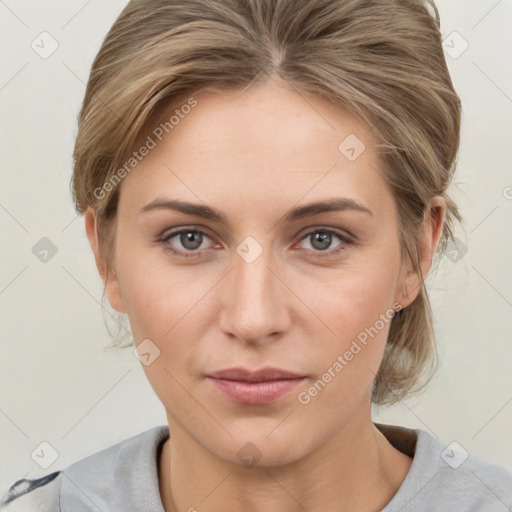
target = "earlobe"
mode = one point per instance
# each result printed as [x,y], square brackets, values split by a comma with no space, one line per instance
[109,277]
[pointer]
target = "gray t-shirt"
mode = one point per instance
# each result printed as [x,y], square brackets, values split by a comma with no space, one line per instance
[124,478]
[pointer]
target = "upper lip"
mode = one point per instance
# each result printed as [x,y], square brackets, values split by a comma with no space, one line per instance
[263,374]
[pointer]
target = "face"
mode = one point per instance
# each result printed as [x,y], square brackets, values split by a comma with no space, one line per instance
[250,278]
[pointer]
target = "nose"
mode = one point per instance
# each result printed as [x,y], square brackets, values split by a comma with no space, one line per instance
[254,300]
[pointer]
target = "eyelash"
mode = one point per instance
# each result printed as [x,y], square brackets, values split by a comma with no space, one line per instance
[164,240]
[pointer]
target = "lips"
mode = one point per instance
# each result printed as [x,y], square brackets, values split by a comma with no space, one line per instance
[260,387]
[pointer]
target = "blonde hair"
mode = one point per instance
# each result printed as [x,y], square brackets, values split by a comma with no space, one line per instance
[380,59]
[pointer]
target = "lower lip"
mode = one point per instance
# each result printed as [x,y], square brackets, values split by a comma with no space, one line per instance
[256,393]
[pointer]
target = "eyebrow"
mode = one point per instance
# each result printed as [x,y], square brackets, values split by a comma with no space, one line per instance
[297,213]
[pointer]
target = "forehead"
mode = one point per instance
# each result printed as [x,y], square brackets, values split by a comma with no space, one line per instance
[269,144]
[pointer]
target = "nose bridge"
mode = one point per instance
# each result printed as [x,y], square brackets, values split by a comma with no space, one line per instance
[255,306]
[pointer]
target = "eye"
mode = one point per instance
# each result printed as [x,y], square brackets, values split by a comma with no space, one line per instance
[189,242]
[189,239]
[320,240]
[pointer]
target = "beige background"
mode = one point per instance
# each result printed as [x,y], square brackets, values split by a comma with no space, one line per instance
[59,385]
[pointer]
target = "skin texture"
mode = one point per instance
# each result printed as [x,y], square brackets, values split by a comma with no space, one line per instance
[253,155]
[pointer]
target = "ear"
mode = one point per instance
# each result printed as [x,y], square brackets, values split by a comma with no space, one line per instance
[109,277]
[430,233]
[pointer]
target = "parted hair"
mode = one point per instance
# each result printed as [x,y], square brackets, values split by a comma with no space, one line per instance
[379,59]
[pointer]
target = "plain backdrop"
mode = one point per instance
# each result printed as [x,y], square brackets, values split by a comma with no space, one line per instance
[59,384]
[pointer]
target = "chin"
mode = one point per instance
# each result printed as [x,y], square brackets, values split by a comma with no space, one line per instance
[253,447]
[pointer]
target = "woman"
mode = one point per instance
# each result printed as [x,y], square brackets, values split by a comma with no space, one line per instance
[264,188]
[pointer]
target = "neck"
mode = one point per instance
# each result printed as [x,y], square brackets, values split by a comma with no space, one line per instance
[356,470]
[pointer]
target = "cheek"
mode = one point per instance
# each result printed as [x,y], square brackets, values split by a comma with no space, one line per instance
[355,309]
[353,298]
[160,304]
[173,308]
[166,309]
[157,294]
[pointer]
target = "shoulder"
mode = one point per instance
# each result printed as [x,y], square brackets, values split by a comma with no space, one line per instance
[447,477]
[38,495]
[96,480]
[469,480]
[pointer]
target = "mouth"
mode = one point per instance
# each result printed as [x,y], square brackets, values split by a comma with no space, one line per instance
[260,387]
